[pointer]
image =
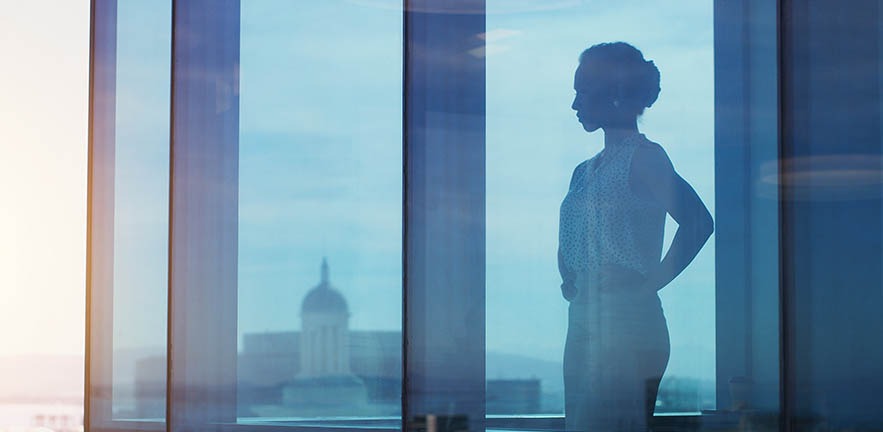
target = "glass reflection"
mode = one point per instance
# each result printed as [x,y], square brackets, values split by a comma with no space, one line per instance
[320,211]
[141,211]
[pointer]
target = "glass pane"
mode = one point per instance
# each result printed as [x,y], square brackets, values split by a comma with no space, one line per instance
[534,143]
[832,214]
[445,235]
[585,231]
[320,226]
[141,211]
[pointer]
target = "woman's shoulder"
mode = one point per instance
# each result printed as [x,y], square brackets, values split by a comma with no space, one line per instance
[650,154]
[580,171]
[581,167]
[647,145]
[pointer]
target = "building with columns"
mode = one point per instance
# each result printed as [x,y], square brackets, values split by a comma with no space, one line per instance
[324,381]
[324,331]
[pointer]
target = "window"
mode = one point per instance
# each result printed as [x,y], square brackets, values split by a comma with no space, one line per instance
[345,214]
[534,141]
[319,279]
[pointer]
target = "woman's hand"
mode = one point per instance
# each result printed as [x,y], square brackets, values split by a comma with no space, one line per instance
[568,290]
[568,279]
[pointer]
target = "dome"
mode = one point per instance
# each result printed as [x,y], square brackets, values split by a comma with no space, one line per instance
[324,298]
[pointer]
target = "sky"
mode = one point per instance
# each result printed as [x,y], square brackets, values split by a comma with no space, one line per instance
[43,118]
[141,175]
[320,157]
[320,161]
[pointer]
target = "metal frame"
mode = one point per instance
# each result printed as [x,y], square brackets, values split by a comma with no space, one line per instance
[444,371]
[99,214]
[748,270]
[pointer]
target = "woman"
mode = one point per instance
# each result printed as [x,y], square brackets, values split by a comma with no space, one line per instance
[610,247]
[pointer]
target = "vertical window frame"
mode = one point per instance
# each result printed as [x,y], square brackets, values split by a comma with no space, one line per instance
[99,216]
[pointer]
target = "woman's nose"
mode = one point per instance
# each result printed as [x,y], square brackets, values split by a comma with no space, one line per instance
[573,106]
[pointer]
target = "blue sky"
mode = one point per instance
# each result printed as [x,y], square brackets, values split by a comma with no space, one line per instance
[320,160]
[141,177]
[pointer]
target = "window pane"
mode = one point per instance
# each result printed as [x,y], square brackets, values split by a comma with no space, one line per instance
[534,143]
[141,211]
[444,204]
[566,206]
[832,214]
[320,227]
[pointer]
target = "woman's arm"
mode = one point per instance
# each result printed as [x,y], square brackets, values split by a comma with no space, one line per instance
[568,287]
[653,176]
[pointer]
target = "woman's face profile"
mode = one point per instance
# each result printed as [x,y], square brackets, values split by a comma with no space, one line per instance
[592,102]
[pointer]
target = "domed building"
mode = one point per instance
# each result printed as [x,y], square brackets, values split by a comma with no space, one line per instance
[325,378]
[324,331]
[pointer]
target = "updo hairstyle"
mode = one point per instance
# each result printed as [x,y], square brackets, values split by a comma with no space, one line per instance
[622,68]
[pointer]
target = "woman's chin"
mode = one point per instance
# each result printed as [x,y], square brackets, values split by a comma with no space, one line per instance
[590,127]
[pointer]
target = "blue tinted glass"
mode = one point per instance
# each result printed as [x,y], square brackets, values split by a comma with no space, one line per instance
[534,142]
[141,210]
[832,214]
[319,211]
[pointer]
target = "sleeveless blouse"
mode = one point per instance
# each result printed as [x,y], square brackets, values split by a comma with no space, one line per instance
[602,221]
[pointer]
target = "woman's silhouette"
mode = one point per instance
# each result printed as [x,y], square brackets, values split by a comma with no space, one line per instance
[610,247]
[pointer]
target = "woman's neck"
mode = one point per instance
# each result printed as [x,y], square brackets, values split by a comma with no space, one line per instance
[616,135]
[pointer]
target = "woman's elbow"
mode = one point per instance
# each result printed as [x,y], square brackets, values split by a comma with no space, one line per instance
[705,226]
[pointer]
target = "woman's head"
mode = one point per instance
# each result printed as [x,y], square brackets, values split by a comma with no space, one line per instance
[614,84]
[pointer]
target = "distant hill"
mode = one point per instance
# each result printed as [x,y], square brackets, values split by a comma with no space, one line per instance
[38,377]
[514,366]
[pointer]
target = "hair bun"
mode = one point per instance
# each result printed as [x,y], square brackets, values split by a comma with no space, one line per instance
[625,67]
[652,83]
